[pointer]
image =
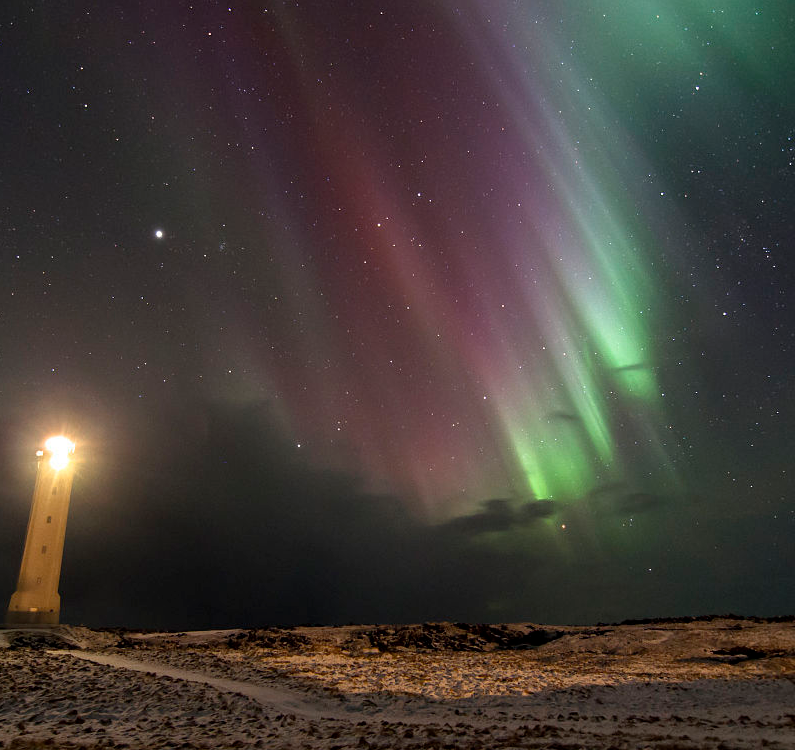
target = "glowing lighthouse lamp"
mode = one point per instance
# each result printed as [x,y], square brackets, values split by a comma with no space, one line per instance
[36,600]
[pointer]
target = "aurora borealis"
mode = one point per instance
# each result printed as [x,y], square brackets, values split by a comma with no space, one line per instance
[497,291]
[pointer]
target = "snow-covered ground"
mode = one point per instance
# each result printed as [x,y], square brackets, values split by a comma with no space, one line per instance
[719,683]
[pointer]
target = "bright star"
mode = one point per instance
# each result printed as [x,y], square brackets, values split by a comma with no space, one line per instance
[159,234]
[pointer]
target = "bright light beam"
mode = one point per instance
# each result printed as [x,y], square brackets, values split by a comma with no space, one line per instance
[59,449]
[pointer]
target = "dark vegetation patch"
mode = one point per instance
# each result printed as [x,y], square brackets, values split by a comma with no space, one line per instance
[277,638]
[37,640]
[737,654]
[445,636]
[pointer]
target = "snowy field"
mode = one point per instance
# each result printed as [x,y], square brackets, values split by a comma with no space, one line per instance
[712,683]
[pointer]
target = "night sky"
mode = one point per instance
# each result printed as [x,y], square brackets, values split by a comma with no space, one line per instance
[409,311]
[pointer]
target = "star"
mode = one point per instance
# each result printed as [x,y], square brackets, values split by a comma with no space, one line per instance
[159,234]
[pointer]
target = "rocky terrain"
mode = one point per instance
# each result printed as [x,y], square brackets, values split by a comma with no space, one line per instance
[698,683]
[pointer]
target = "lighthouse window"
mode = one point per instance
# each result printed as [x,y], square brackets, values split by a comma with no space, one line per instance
[49,519]
[44,550]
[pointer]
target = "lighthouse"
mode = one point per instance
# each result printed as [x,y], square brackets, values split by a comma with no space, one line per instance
[36,600]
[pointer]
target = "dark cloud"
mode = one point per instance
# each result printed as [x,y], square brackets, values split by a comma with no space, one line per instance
[500,514]
[230,521]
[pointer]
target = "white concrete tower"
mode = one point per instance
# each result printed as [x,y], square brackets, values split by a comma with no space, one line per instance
[36,600]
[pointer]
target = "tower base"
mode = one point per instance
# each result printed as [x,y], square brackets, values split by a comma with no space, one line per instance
[16,618]
[33,608]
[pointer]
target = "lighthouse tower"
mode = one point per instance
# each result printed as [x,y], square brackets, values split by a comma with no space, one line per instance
[36,600]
